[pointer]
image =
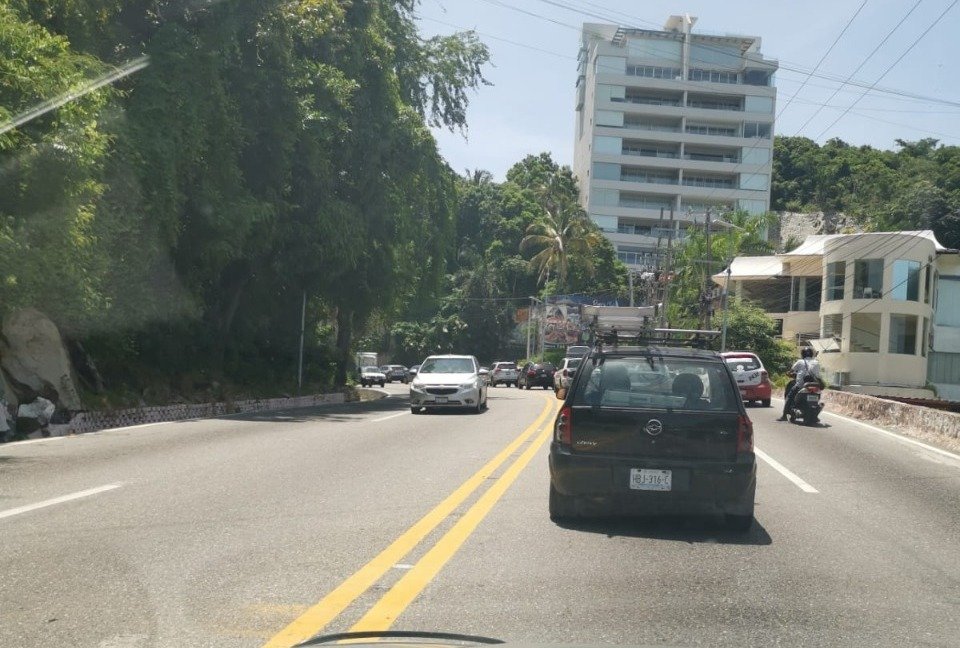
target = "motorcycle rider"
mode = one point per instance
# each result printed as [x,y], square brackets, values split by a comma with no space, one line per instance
[804,369]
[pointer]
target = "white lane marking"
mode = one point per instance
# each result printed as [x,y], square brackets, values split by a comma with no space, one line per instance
[894,435]
[14,444]
[786,472]
[58,500]
[386,418]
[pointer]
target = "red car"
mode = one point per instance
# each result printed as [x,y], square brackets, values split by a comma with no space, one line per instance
[752,379]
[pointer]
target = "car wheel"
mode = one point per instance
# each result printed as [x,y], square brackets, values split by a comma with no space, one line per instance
[562,507]
[765,402]
[414,410]
[739,523]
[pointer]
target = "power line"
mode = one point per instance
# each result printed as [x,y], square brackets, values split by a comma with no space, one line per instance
[893,65]
[824,57]
[864,61]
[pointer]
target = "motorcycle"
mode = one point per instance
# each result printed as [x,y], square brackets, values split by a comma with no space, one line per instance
[806,403]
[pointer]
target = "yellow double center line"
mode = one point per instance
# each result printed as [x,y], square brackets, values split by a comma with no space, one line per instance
[382,615]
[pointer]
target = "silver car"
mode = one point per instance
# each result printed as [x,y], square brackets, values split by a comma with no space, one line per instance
[504,373]
[449,381]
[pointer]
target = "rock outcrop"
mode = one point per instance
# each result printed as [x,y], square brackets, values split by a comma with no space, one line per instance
[35,361]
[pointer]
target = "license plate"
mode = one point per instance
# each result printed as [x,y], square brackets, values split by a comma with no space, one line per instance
[813,398]
[651,480]
[441,399]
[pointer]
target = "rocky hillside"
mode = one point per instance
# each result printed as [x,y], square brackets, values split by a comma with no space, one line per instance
[793,227]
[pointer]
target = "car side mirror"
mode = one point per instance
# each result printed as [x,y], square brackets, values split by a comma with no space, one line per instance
[562,393]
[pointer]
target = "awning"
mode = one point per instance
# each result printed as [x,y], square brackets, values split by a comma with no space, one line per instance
[822,345]
[751,268]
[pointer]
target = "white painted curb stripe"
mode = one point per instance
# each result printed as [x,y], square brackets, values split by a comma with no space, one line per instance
[786,472]
[58,500]
[387,418]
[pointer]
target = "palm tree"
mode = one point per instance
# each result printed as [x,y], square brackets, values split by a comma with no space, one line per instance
[564,231]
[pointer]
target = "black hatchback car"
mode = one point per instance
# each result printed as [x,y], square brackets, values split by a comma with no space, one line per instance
[653,430]
[539,374]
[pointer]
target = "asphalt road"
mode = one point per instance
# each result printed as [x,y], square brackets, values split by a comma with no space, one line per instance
[259,530]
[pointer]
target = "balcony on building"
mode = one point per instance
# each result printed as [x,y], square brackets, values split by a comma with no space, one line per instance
[715,102]
[651,98]
[655,124]
[651,149]
[722,154]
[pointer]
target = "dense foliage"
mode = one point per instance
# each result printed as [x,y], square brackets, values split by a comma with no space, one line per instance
[174,220]
[524,237]
[915,187]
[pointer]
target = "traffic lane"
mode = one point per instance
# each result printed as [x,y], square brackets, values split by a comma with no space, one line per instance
[807,574]
[882,482]
[227,550]
[42,469]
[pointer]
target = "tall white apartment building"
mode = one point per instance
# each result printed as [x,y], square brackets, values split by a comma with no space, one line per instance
[670,119]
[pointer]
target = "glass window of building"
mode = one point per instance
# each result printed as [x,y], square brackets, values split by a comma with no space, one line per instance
[758,105]
[905,280]
[924,336]
[865,333]
[811,300]
[606,171]
[903,334]
[927,283]
[654,50]
[609,118]
[755,155]
[832,326]
[868,279]
[754,181]
[836,278]
[607,145]
[755,129]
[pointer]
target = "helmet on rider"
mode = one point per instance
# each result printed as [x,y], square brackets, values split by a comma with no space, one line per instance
[806,352]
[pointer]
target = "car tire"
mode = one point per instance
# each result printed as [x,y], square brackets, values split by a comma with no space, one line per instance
[765,402]
[562,507]
[738,523]
[415,410]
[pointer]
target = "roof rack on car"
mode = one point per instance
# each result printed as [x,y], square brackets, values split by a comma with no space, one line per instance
[627,325]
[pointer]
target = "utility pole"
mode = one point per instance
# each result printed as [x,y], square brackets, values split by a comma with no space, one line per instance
[303,321]
[725,300]
[669,271]
[529,325]
[705,301]
[630,281]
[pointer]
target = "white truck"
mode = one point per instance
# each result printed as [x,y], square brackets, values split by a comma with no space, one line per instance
[366,359]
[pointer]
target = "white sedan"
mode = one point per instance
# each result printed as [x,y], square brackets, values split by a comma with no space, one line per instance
[449,381]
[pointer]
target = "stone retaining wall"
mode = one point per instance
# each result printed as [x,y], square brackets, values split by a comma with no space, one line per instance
[925,423]
[93,421]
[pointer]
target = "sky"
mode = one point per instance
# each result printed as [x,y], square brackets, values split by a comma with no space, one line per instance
[529,106]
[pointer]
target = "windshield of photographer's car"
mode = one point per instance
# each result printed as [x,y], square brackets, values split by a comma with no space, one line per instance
[256,257]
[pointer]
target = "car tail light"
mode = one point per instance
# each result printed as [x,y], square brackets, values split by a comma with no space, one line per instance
[744,434]
[564,430]
[565,374]
[764,377]
[531,373]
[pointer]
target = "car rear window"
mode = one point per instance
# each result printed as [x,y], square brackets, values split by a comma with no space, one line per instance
[547,365]
[573,363]
[506,365]
[745,363]
[656,383]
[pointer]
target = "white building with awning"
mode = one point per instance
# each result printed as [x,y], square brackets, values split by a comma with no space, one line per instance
[882,308]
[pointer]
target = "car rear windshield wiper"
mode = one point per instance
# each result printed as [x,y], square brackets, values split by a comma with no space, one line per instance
[399,634]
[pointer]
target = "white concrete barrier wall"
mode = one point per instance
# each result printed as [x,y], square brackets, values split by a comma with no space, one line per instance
[921,422]
[93,421]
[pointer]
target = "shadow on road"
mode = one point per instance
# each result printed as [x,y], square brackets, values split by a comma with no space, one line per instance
[693,530]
